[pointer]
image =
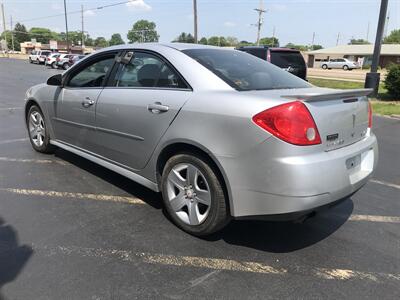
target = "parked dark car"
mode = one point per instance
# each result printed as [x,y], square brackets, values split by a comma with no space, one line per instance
[288,59]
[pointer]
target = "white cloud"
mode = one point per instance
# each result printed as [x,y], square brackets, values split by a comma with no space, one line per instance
[138,5]
[229,24]
[89,13]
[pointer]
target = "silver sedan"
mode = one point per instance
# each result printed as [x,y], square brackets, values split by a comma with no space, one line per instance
[221,133]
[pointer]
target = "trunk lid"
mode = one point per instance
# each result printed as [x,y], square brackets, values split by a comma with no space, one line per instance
[341,116]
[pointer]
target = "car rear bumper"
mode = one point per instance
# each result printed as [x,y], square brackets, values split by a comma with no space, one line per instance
[273,181]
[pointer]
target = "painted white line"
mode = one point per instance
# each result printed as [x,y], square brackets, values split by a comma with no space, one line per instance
[220,264]
[36,161]
[396,186]
[134,200]
[97,197]
[372,218]
[10,108]
[13,141]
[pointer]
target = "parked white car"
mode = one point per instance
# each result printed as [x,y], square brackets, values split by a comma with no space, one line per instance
[39,57]
[51,60]
[340,63]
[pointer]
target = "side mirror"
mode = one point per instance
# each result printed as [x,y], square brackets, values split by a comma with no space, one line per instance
[55,80]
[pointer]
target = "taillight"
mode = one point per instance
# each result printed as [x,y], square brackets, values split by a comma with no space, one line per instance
[369,114]
[291,122]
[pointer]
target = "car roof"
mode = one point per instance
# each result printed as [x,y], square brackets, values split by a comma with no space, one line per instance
[155,46]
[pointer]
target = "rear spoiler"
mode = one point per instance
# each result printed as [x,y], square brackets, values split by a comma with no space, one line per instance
[331,95]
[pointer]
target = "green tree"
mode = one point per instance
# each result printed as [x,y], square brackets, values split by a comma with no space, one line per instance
[269,41]
[245,43]
[20,35]
[232,41]
[298,47]
[116,39]
[393,37]
[358,42]
[217,41]
[203,41]
[89,41]
[316,47]
[100,42]
[42,35]
[143,31]
[184,38]
[392,81]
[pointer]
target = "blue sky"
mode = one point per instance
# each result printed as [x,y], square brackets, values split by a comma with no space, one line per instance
[294,20]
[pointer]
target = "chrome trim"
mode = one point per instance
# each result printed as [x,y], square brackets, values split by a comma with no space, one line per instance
[73,123]
[102,161]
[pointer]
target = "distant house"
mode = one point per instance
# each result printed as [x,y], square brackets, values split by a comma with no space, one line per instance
[56,46]
[390,53]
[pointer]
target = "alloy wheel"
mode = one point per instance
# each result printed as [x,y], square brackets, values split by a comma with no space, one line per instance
[37,129]
[189,193]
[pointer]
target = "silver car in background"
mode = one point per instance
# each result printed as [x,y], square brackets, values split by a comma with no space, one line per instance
[340,63]
[221,133]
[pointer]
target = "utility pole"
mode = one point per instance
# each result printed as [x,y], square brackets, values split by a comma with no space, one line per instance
[367,32]
[12,33]
[4,26]
[83,30]
[273,37]
[312,41]
[372,79]
[337,39]
[260,11]
[195,20]
[66,25]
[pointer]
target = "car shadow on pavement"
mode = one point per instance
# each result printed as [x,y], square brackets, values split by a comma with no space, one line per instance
[151,198]
[13,257]
[284,237]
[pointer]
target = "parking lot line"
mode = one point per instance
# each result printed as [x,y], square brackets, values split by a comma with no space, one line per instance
[396,186]
[134,200]
[97,197]
[221,264]
[10,108]
[29,160]
[13,141]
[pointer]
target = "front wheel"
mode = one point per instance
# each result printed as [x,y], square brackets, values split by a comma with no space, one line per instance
[324,67]
[53,65]
[65,66]
[193,195]
[38,131]
[345,67]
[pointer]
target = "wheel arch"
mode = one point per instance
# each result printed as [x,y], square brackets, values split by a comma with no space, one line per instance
[29,103]
[191,147]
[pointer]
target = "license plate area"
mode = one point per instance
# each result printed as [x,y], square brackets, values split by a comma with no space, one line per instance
[353,162]
[360,166]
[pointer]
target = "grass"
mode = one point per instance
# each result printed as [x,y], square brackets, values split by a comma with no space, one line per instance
[386,107]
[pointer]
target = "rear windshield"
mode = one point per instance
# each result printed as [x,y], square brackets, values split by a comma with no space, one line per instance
[285,59]
[245,72]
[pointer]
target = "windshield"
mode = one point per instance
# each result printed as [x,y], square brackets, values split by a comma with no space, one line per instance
[245,72]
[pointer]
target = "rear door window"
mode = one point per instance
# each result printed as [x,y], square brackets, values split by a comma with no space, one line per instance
[258,52]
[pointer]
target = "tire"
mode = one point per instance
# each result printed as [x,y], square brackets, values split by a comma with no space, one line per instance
[30,61]
[324,67]
[65,66]
[37,61]
[37,128]
[53,65]
[206,216]
[345,67]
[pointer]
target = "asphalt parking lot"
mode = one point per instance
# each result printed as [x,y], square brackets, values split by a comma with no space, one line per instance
[70,229]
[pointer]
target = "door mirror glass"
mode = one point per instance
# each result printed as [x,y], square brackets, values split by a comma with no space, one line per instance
[55,80]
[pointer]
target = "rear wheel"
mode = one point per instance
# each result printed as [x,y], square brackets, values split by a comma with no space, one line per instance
[38,131]
[53,65]
[65,66]
[30,60]
[324,67]
[193,195]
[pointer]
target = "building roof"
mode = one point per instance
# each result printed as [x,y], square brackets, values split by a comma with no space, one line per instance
[387,49]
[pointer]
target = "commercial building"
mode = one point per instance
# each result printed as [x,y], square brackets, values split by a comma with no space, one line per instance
[390,53]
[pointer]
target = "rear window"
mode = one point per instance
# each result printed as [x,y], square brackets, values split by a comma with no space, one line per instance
[285,59]
[259,52]
[243,71]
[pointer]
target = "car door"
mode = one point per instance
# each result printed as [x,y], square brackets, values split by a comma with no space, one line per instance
[136,108]
[74,116]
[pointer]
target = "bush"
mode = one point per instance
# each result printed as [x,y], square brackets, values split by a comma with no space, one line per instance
[392,81]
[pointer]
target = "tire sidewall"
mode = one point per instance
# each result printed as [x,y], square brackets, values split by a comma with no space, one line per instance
[46,147]
[324,67]
[345,67]
[210,225]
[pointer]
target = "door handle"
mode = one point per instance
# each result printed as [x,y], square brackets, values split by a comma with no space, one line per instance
[87,102]
[157,108]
